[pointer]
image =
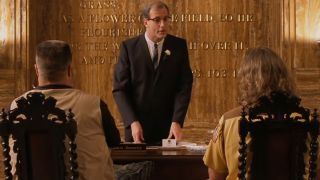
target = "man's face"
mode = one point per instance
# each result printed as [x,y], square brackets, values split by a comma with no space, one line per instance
[158,24]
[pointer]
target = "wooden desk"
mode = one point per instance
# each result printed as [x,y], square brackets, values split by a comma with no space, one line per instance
[180,164]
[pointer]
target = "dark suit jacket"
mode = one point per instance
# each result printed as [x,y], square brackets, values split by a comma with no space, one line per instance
[154,97]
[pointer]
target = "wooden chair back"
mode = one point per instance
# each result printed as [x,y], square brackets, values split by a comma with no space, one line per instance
[37,129]
[278,127]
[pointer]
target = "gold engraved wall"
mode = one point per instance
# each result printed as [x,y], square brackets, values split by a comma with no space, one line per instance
[217,32]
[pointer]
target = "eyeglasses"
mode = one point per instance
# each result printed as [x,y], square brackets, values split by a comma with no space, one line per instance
[158,20]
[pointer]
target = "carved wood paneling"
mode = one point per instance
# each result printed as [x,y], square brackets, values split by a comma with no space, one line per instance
[14,74]
[306,61]
[7,84]
[308,85]
[307,23]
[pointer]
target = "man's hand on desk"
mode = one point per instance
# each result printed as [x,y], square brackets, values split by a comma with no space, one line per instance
[137,132]
[176,131]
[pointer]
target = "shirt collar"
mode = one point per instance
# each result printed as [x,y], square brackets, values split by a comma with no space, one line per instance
[151,44]
[53,86]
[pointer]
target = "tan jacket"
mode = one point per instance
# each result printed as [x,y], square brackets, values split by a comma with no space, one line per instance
[94,158]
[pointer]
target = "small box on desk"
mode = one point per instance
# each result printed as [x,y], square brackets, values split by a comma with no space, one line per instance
[169,143]
[130,146]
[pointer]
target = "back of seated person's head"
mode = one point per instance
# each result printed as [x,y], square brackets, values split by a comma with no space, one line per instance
[261,72]
[52,59]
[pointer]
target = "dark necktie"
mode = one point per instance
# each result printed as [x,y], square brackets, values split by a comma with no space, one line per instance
[155,56]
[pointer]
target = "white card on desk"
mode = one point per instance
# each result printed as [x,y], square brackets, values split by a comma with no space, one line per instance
[169,143]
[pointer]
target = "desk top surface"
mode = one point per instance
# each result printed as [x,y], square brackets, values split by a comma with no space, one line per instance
[169,163]
[157,153]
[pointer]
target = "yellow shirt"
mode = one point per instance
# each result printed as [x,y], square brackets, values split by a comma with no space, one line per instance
[222,153]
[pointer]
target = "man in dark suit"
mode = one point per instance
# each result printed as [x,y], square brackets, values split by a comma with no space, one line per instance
[153,80]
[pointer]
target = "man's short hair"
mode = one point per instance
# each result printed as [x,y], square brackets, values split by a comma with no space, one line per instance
[155,5]
[53,58]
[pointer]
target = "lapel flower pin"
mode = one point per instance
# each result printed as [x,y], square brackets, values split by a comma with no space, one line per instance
[167,53]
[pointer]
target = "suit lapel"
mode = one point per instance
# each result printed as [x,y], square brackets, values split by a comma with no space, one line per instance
[159,69]
[164,47]
[145,52]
